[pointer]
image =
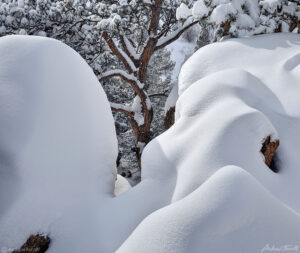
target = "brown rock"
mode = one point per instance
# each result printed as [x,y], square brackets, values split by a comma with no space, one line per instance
[268,149]
[35,244]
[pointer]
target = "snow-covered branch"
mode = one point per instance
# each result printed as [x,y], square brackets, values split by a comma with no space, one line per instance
[147,2]
[129,48]
[129,78]
[121,108]
[166,40]
[129,65]
[164,94]
[126,54]
[117,73]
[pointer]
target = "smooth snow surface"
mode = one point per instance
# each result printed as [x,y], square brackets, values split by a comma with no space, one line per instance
[121,185]
[205,185]
[58,151]
[233,94]
[57,145]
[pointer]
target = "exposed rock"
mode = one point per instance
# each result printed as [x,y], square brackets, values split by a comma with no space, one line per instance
[268,149]
[35,244]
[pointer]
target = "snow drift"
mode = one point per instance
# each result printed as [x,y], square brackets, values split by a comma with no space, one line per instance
[233,94]
[58,151]
[58,145]
[205,186]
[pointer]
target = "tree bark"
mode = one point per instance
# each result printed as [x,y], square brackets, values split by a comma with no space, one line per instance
[137,69]
[169,118]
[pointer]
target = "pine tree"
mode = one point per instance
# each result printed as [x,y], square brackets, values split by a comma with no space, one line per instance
[243,17]
[134,31]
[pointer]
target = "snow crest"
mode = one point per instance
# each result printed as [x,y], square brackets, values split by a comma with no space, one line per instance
[233,94]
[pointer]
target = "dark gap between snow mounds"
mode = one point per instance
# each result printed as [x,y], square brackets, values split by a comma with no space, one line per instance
[35,244]
[268,149]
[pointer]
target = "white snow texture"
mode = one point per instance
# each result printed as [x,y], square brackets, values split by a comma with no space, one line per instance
[205,186]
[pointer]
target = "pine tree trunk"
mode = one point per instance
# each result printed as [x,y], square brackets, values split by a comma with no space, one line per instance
[169,118]
[142,134]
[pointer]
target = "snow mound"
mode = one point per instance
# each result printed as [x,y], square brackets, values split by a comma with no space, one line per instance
[276,55]
[121,185]
[223,197]
[224,214]
[58,151]
[57,144]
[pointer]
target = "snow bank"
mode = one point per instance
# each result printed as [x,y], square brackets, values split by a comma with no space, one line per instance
[233,94]
[58,149]
[57,144]
[57,154]
[226,213]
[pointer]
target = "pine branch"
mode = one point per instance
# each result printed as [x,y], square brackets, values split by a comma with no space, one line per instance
[164,41]
[121,108]
[116,51]
[129,78]
[129,50]
[164,94]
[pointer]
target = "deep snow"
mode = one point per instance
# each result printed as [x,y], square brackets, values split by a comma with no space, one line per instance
[233,94]
[58,145]
[58,151]
[205,186]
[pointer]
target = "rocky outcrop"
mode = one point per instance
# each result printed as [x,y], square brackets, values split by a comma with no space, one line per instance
[268,149]
[35,244]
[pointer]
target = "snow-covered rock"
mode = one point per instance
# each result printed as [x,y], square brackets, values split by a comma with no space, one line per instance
[233,94]
[58,150]
[57,144]
[121,185]
[230,212]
